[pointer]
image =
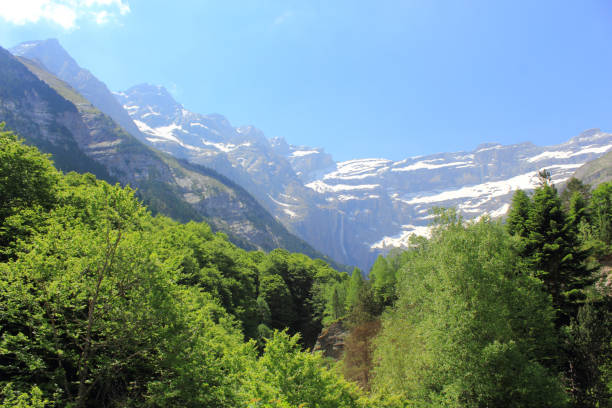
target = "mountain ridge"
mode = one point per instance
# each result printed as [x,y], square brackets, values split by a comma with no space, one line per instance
[183,190]
[351,210]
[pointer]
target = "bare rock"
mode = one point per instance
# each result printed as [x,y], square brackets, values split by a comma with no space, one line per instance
[331,340]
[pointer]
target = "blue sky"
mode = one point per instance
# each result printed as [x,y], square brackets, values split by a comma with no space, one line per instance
[360,78]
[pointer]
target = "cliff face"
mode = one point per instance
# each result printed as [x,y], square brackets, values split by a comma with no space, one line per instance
[331,340]
[50,114]
[596,171]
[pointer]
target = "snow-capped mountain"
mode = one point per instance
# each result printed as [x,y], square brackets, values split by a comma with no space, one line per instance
[351,210]
[243,154]
[356,209]
[400,194]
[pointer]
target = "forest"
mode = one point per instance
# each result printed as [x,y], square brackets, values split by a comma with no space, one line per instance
[103,304]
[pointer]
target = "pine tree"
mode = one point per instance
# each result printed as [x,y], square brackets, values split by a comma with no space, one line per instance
[601,210]
[554,252]
[577,210]
[519,214]
[354,287]
[337,306]
[382,277]
[574,185]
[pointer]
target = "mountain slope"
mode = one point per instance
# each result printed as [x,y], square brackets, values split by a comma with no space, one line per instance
[57,61]
[65,120]
[243,154]
[596,171]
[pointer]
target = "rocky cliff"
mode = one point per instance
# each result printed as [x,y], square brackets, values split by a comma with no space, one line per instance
[52,115]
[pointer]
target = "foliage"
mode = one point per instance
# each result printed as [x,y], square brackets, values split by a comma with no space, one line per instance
[16,399]
[547,241]
[468,328]
[105,305]
[572,187]
[601,213]
[291,378]
[518,214]
[589,350]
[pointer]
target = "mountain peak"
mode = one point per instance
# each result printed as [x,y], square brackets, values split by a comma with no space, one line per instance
[588,135]
[155,96]
[51,55]
[23,47]
[146,87]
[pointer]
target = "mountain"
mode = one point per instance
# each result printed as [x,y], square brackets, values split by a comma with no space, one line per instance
[394,198]
[355,209]
[56,60]
[352,210]
[596,171]
[50,114]
[273,171]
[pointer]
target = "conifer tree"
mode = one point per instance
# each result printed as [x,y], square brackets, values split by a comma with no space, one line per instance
[337,306]
[382,277]
[354,287]
[601,210]
[577,210]
[519,214]
[574,185]
[554,252]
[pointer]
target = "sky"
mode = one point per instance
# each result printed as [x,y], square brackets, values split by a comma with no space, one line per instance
[385,78]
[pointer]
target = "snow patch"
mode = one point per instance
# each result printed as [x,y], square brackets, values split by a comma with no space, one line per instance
[403,238]
[484,149]
[568,154]
[491,189]
[300,153]
[163,132]
[278,202]
[290,213]
[359,169]
[322,187]
[500,212]
[426,164]
[225,147]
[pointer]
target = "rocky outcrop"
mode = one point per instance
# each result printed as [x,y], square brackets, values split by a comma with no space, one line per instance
[331,340]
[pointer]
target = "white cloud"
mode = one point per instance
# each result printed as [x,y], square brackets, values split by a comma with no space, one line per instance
[102,17]
[64,13]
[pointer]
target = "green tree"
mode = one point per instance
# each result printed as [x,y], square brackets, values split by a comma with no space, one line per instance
[28,182]
[274,291]
[468,330]
[287,375]
[589,351]
[601,212]
[355,284]
[572,187]
[577,211]
[518,214]
[382,278]
[93,315]
[552,248]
